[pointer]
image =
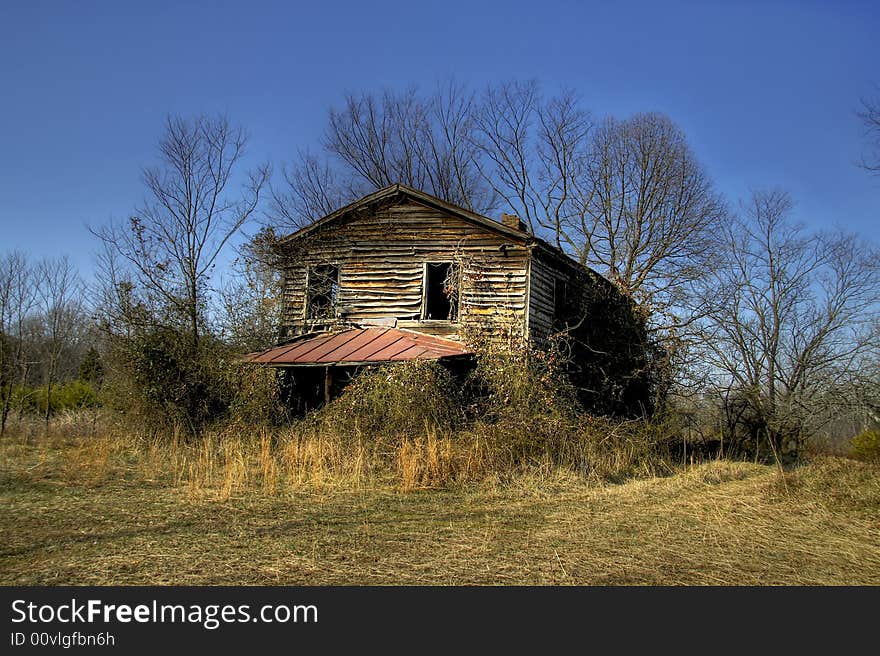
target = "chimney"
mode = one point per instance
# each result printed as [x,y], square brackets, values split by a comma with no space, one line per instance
[514,222]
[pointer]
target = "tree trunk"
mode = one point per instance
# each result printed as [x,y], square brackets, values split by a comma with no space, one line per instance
[7,404]
[24,379]
[48,402]
[194,326]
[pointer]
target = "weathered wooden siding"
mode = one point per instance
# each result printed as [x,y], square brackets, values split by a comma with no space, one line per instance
[381,256]
[544,271]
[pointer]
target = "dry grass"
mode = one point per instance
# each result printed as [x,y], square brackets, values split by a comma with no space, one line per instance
[302,509]
[234,458]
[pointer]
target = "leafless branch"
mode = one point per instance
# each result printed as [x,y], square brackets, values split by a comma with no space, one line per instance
[174,239]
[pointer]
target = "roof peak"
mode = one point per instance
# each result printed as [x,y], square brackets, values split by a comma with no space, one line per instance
[419,196]
[427,199]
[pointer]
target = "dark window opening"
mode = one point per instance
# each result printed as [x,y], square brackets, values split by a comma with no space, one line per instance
[561,305]
[441,291]
[323,292]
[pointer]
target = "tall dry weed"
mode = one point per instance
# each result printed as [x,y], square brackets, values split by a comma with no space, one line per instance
[228,461]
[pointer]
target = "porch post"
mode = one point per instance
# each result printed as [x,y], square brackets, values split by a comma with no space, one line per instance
[328,382]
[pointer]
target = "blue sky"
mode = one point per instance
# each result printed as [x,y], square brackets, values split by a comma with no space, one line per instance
[766,91]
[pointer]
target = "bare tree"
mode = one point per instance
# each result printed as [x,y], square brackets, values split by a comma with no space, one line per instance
[791,313]
[310,189]
[59,294]
[652,214]
[507,144]
[17,301]
[627,197]
[447,151]
[376,138]
[177,234]
[118,306]
[424,141]
[250,306]
[870,116]
[534,155]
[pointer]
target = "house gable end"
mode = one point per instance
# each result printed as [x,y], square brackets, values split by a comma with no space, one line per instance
[384,252]
[400,194]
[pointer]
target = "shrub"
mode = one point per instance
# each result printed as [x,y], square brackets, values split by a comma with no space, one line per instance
[529,415]
[866,445]
[162,383]
[395,400]
[521,384]
[256,397]
[91,369]
[72,395]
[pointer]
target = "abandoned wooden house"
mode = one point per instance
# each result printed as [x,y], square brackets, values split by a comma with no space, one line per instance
[401,275]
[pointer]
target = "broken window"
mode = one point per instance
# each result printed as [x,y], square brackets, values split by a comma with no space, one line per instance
[561,305]
[323,291]
[441,291]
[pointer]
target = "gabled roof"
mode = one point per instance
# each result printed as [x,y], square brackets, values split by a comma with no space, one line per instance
[358,346]
[395,190]
[398,190]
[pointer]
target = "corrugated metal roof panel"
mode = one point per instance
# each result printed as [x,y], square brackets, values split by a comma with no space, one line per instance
[359,346]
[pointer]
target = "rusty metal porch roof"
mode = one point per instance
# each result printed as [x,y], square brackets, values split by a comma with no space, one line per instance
[358,346]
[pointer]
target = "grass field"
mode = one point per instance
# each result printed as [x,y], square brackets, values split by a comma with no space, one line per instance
[66,522]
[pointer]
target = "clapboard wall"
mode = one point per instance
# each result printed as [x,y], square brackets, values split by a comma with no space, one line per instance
[548,266]
[381,252]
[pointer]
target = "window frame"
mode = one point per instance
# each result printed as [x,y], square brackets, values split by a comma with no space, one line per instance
[424,306]
[334,304]
[561,311]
